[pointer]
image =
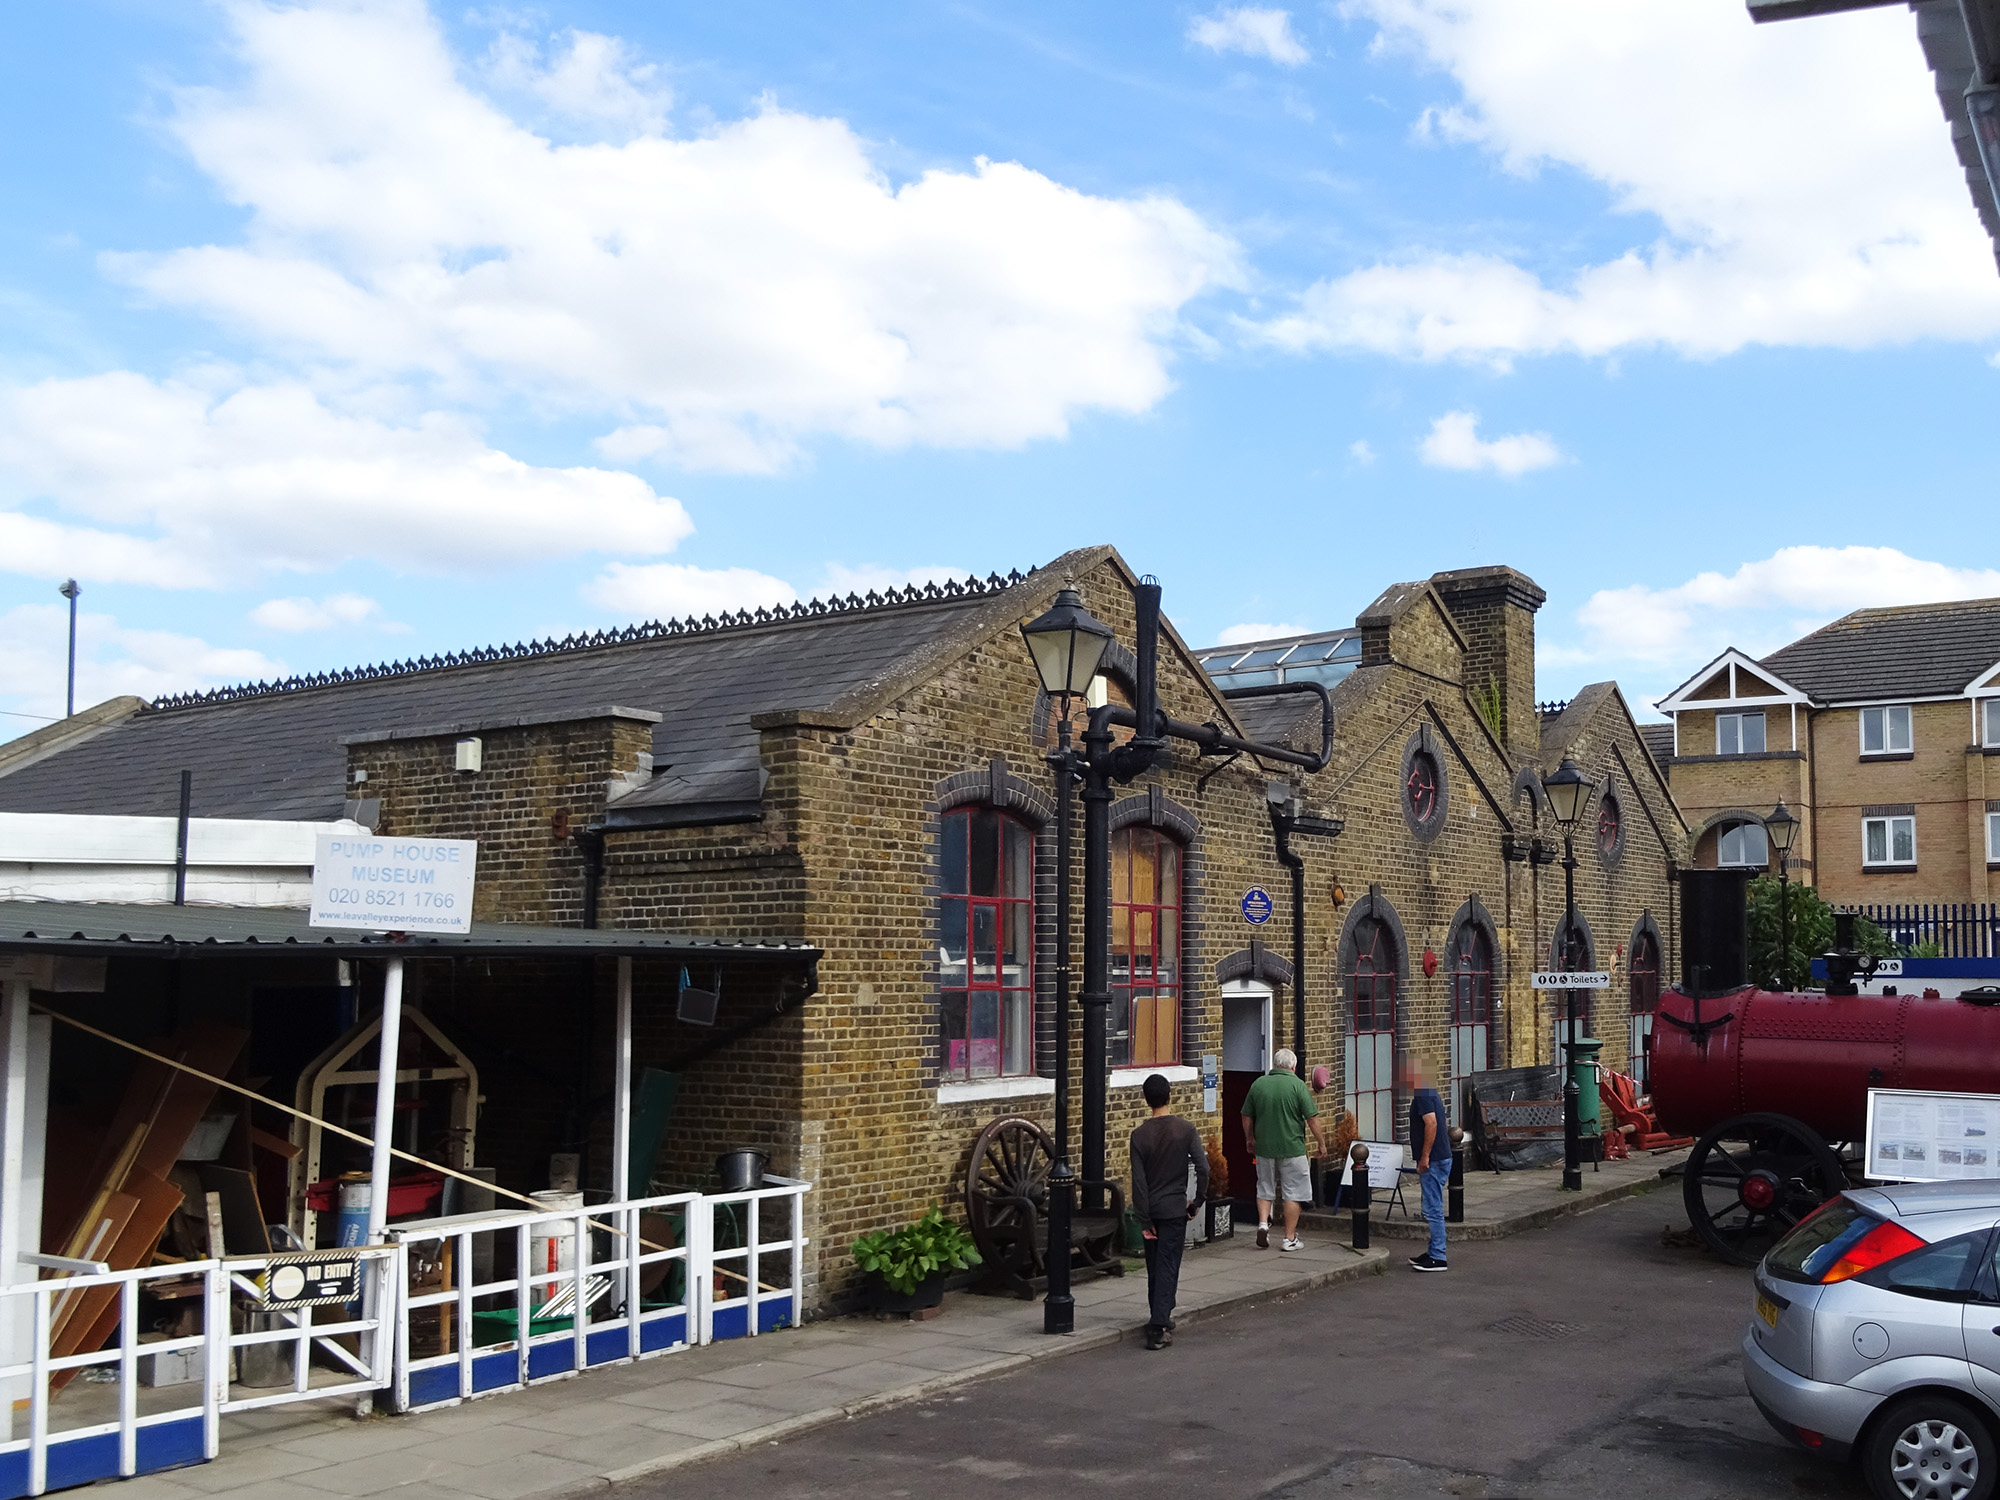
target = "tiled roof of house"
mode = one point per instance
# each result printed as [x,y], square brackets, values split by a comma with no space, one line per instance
[1659,738]
[274,750]
[1911,651]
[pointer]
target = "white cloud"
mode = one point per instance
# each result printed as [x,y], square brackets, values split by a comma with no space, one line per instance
[720,296]
[111,660]
[1237,635]
[1251,30]
[674,591]
[1361,451]
[271,477]
[315,614]
[1763,604]
[595,80]
[1797,185]
[1454,443]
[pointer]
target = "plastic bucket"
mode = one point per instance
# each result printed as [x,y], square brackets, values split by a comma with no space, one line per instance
[741,1171]
[551,1245]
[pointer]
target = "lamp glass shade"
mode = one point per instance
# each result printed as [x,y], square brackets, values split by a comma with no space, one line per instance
[1567,790]
[1782,828]
[1068,644]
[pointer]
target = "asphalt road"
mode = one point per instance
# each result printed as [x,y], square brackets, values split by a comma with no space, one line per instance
[1584,1360]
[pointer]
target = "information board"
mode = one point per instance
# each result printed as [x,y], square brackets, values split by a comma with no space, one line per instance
[1257,906]
[393,885]
[1917,1136]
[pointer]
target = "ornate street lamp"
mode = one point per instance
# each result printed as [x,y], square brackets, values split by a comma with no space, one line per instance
[1568,791]
[1068,645]
[1783,831]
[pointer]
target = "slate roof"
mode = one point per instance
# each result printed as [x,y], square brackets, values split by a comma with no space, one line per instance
[275,750]
[1658,738]
[1912,651]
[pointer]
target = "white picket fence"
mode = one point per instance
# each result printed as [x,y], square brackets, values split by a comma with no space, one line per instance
[101,1428]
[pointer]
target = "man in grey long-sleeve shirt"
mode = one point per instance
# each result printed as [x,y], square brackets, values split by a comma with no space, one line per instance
[1163,1148]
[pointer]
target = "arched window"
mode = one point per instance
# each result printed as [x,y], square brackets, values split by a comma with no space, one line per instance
[986,944]
[1645,972]
[1573,955]
[1471,961]
[1145,948]
[1371,1050]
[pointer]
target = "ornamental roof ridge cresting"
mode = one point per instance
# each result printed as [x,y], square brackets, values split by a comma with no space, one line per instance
[393,884]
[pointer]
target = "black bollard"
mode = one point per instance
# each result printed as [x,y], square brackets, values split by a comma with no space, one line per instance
[1454,1212]
[1360,1196]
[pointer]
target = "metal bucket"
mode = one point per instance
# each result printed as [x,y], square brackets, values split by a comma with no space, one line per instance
[743,1170]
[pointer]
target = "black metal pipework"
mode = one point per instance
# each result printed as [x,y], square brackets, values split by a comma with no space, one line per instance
[1102,766]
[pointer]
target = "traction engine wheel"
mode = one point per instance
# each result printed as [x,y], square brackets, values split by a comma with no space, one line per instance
[1751,1179]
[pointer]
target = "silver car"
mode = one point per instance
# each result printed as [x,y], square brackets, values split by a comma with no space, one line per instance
[1876,1337]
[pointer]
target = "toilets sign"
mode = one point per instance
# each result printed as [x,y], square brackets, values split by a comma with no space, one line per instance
[393,885]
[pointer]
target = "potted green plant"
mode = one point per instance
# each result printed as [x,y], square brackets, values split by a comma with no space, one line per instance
[906,1268]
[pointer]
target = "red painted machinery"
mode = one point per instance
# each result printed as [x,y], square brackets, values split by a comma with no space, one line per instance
[1775,1085]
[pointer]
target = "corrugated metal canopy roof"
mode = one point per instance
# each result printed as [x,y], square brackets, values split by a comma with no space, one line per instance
[99,929]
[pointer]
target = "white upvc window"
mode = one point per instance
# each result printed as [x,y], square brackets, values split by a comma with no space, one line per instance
[1993,837]
[1742,846]
[1739,734]
[1886,730]
[1989,722]
[1889,841]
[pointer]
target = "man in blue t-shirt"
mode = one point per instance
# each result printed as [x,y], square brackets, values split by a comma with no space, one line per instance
[1430,1153]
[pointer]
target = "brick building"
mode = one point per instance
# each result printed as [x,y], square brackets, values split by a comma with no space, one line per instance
[1880,731]
[868,776]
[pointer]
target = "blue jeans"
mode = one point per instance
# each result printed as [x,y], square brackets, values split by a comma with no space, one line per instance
[1436,1176]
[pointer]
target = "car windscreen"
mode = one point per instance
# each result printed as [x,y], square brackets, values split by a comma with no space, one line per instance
[1807,1252]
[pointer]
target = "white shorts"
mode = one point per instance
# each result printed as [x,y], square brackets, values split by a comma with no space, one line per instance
[1288,1178]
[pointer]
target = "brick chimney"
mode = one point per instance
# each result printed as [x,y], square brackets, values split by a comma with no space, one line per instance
[1495,610]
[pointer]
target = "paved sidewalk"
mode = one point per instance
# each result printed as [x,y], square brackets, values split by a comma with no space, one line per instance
[571,1437]
[574,1436]
[1498,1204]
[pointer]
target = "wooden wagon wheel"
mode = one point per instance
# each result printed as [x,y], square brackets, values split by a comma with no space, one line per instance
[1007,1194]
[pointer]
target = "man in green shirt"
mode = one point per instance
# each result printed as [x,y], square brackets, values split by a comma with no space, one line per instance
[1277,1113]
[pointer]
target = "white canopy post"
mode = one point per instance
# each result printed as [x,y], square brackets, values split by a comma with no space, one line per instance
[621,1090]
[385,1100]
[13,1123]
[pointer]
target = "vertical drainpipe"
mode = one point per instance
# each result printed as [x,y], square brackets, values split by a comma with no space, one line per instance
[1291,859]
[181,841]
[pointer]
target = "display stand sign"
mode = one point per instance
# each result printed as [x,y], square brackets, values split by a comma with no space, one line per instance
[1918,1136]
[1556,980]
[393,885]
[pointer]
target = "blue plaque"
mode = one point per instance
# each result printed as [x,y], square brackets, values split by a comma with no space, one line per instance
[1256,906]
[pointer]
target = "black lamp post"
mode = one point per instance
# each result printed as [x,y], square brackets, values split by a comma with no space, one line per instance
[1068,645]
[1568,790]
[1783,830]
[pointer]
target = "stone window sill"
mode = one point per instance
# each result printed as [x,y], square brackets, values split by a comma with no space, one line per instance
[1871,757]
[995,1088]
[1131,1078]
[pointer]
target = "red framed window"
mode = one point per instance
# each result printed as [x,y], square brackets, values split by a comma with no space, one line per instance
[1421,787]
[1610,825]
[1371,1049]
[986,944]
[1471,1011]
[1145,949]
[1574,957]
[1645,972]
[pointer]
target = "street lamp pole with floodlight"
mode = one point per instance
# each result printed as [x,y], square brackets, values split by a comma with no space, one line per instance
[1568,791]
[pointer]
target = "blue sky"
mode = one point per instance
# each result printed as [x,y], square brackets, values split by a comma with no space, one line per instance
[334,333]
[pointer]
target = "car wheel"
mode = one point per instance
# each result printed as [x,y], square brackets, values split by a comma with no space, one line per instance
[1930,1448]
